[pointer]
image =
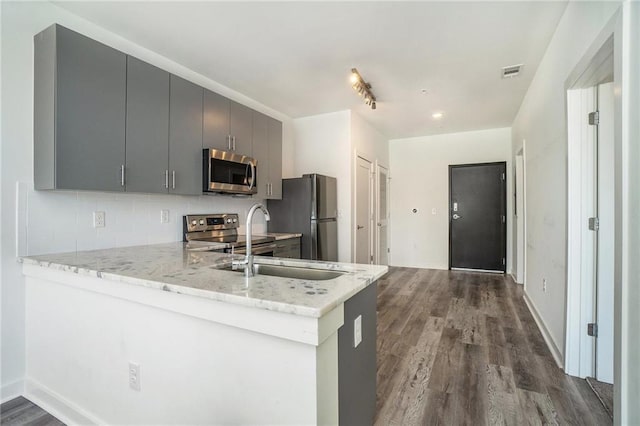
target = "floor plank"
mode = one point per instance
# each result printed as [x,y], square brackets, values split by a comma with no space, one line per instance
[22,412]
[462,348]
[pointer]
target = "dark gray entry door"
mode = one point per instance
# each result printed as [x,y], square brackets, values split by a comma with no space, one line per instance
[478,216]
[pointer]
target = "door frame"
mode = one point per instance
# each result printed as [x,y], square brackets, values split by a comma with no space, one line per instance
[376,242]
[354,198]
[504,212]
[521,235]
[598,63]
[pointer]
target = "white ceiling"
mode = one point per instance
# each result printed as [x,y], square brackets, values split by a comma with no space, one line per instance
[295,57]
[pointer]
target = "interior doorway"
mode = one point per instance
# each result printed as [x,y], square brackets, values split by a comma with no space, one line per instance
[363,226]
[478,217]
[591,223]
[519,213]
[382,215]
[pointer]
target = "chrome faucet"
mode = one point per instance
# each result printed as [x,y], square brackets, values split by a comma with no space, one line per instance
[248,260]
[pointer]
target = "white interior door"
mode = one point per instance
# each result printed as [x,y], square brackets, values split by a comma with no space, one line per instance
[382,216]
[363,209]
[605,234]
[519,219]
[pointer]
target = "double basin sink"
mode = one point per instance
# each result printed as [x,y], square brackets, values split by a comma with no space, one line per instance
[282,271]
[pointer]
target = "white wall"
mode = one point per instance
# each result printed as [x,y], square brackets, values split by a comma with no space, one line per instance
[541,121]
[322,145]
[38,222]
[326,144]
[420,180]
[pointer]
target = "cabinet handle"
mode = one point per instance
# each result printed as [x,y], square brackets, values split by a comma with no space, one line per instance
[270,189]
[173,179]
[166,179]
[229,142]
[122,175]
[234,143]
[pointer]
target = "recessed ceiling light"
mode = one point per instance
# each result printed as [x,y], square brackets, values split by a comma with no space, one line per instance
[437,115]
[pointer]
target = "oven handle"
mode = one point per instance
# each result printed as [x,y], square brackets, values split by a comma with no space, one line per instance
[259,249]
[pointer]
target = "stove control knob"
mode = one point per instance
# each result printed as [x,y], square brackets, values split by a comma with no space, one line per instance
[194,222]
[201,221]
[228,220]
[235,220]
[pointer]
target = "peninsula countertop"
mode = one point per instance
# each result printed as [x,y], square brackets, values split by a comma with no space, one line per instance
[171,267]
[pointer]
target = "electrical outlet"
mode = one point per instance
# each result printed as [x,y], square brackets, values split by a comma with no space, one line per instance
[98,219]
[544,285]
[164,216]
[134,376]
[357,331]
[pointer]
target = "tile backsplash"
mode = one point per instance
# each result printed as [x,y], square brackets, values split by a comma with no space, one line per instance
[62,221]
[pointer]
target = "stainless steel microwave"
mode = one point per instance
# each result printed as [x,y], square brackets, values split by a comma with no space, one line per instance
[228,172]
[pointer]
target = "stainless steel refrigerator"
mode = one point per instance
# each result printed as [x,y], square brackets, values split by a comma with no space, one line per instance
[309,207]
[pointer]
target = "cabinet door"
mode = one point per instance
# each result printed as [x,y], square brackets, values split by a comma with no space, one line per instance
[260,152]
[216,121]
[185,137]
[275,158]
[89,113]
[240,124]
[147,145]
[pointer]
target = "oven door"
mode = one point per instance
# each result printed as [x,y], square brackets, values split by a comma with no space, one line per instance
[228,172]
[258,250]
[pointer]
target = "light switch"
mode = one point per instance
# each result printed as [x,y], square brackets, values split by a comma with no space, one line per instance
[357,331]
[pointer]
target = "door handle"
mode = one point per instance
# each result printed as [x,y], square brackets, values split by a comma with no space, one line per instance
[455,216]
[359,227]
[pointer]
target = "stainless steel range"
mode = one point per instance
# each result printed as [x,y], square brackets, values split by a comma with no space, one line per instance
[219,232]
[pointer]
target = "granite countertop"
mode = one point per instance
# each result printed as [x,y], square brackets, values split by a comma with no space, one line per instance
[171,267]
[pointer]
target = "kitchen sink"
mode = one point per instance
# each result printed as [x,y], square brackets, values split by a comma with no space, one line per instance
[292,272]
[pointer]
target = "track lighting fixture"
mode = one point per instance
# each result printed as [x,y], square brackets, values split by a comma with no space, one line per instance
[363,88]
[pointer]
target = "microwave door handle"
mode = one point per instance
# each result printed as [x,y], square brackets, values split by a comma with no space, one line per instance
[253,175]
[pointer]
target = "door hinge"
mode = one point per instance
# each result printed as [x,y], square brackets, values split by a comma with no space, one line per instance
[592,329]
[388,250]
[594,224]
[594,118]
[372,258]
[503,177]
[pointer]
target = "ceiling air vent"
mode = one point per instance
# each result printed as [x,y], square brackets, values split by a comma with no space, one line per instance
[511,71]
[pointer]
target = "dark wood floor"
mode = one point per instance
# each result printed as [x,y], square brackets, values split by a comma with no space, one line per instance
[462,348]
[22,412]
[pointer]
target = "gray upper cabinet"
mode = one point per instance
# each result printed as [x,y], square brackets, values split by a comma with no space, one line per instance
[227,124]
[267,150]
[261,153]
[79,112]
[240,127]
[185,137]
[275,159]
[147,143]
[216,122]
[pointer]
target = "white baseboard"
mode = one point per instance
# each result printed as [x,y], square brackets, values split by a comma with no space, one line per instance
[11,390]
[63,409]
[557,356]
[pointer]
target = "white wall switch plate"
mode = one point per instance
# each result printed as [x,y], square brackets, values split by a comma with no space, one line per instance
[98,219]
[357,331]
[164,216]
[134,376]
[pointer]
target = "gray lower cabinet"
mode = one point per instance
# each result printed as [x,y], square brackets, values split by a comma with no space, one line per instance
[79,112]
[267,150]
[289,248]
[185,137]
[147,144]
[357,365]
